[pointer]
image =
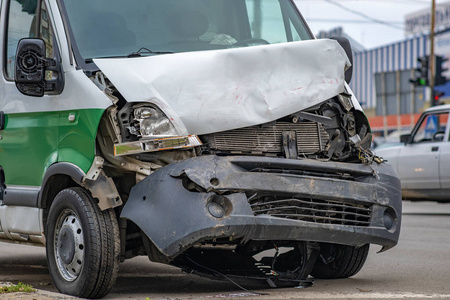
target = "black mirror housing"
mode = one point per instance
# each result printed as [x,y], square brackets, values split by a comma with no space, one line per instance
[404,138]
[345,44]
[31,69]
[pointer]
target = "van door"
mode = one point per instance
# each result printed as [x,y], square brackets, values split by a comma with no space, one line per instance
[28,144]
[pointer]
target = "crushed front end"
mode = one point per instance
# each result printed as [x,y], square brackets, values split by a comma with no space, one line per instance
[298,183]
[259,171]
[250,198]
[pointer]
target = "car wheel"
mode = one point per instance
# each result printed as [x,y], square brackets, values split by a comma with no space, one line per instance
[339,261]
[82,244]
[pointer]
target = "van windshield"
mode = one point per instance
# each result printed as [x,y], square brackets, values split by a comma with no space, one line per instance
[117,28]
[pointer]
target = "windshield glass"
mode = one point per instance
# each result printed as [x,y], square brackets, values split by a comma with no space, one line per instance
[109,28]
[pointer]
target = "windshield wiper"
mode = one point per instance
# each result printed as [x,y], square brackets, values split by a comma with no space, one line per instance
[145,50]
[132,54]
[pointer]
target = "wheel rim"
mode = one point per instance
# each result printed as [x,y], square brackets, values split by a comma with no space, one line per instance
[69,245]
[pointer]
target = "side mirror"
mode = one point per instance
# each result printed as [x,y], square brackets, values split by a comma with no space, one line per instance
[438,136]
[35,74]
[404,138]
[344,42]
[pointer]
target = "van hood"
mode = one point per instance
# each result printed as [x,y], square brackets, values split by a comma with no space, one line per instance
[210,91]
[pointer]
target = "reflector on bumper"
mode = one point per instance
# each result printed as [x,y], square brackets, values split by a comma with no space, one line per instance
[170,143]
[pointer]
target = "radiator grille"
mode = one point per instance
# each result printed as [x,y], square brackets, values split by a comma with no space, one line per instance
[316,211]
[311,138]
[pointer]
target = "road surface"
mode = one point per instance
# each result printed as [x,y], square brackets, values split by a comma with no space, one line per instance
[418,267]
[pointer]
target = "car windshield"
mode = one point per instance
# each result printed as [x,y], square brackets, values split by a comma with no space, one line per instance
[117,28]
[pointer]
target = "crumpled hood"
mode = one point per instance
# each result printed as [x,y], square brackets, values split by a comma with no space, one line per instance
[211,91]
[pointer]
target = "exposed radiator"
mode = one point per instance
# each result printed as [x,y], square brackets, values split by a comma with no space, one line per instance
[311,138]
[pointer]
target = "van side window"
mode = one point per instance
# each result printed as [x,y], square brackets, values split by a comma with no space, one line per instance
[22,16]
[21,24]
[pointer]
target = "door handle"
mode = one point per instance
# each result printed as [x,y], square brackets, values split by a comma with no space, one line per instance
[434,148]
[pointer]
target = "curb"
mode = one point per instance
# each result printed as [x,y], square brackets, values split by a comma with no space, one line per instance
[37,295]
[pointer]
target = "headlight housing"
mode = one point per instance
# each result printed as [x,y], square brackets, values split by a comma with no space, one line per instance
[152,131]
[150,122]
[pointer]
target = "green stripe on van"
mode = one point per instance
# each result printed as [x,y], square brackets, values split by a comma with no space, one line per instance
[31,142]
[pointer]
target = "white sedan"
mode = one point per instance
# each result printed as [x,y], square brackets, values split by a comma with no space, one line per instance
[423,161]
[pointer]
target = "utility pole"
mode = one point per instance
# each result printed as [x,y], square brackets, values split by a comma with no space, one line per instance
[432,60]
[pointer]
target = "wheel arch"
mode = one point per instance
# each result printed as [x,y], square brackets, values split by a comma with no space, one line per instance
[58,177]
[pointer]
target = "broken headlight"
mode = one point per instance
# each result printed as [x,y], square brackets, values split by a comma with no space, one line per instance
[149,130]
[150,122]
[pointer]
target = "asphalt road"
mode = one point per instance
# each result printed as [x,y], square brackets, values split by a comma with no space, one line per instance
[418,267]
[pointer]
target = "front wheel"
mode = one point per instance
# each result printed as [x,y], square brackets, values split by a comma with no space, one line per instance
[339,261]
[82,244]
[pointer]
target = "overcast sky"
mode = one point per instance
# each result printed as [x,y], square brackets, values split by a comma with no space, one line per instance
[328,14]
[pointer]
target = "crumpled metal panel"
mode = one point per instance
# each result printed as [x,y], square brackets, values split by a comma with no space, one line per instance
[175,218]
[211,91]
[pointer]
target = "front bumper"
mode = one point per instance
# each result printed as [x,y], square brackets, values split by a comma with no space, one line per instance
[297,200]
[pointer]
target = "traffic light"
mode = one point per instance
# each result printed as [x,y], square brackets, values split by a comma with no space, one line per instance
[437,98]
[421,73]
[439,77]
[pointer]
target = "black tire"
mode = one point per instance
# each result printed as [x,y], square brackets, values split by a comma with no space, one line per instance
[339,261]
[82,244]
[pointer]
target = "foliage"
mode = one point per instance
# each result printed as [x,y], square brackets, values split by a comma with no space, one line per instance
[20,287]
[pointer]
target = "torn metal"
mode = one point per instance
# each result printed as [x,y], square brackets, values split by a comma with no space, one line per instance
[211,91]
[256,198]
[249,150]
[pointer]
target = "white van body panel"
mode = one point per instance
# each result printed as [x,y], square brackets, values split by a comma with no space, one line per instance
[81,93]
[20,223]
[211,91]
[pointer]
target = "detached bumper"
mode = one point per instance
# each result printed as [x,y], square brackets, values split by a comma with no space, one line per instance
[259,198]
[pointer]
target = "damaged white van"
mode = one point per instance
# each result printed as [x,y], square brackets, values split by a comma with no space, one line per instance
[199,133]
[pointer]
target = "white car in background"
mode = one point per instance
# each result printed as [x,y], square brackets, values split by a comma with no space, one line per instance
[423,160]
